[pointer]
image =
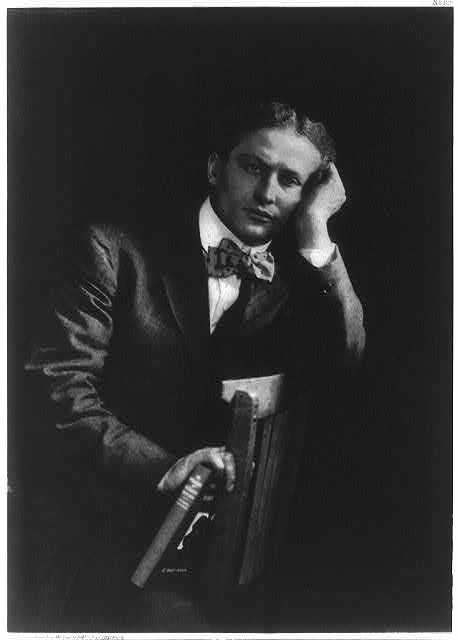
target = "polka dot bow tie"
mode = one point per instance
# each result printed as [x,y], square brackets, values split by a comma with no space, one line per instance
[228,259]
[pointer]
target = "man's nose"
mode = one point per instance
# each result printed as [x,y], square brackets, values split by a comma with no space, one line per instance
[266,189]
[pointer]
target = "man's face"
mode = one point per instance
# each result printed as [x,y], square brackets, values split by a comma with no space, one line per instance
[260,185]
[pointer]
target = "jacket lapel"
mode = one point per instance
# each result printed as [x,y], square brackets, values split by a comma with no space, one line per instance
[265,302]
[185,282]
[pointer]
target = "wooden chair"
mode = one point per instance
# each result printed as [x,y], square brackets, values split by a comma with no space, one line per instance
[249,522]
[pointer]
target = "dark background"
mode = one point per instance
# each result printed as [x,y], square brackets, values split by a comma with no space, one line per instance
[107,116]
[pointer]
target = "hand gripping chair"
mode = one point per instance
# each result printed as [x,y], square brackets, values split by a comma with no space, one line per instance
[266,441]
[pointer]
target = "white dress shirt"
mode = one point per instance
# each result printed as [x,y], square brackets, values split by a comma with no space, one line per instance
[223,292]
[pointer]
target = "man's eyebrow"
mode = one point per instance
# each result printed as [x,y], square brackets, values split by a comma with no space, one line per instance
[282,167]
[253,156]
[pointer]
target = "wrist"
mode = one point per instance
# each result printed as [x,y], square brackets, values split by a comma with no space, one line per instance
[314,236]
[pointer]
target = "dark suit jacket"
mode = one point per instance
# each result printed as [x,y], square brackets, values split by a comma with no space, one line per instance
[127,354]
[127,358]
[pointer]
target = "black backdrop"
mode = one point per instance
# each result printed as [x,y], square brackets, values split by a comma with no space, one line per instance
[107,116]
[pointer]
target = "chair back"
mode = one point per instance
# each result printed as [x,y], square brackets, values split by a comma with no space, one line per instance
[249,521]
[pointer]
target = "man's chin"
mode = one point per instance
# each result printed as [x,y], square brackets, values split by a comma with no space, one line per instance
[255,234]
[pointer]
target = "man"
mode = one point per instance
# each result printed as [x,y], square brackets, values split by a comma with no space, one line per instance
[143,328]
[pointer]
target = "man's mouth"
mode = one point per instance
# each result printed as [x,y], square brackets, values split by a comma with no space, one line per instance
[260,214]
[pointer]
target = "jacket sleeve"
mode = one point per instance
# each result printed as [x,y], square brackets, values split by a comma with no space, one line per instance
[72,354]
[336,286]
[326,297]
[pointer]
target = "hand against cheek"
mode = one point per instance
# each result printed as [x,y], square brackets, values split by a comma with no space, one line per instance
[216,457]
[316,208]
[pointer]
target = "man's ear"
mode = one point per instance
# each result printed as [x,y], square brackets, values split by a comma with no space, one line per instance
[213,168]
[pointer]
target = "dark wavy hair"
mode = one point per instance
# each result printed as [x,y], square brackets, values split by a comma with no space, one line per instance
[240,120]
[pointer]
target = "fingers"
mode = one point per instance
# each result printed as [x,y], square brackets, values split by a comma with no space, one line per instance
[229,464]
[219,459]
[334,176]
[211,455]
[216,457]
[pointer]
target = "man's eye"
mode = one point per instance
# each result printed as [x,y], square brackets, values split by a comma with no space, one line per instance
[290,181]
[252,168]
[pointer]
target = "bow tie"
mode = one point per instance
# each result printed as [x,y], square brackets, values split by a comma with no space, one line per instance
[228,259]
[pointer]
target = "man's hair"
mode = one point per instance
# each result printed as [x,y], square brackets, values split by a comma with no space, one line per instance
[240,120]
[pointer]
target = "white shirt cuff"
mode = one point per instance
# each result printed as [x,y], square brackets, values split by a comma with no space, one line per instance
[318,257]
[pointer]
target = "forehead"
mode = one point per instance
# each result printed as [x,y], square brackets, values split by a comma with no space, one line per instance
[281,148]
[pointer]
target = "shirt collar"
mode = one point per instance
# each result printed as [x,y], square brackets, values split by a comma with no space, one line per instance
[212,230]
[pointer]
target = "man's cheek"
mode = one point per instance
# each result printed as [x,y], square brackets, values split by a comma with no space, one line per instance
[240,188]
[286,214]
